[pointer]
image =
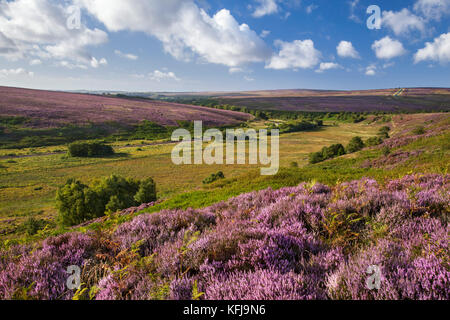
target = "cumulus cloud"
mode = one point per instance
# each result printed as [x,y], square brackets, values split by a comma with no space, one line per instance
[345,49]
[128,56]
[296,54]
[371,70]
[160,76]
[438,50]
[265,7]
[403,22]
[15,72]
[184,29]
[432,9]
[38,29]
[388,48]
[328,66]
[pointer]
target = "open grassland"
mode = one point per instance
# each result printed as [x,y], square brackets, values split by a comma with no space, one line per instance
[28,180]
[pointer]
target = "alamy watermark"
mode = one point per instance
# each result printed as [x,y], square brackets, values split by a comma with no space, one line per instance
[73,282]
[73,21]
[190,150]
[374,280]
[374,21]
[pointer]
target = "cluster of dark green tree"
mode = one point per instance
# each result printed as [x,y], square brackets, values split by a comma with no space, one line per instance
[214,177]
[89,149]
[337,150]
[78,202]
[296,126]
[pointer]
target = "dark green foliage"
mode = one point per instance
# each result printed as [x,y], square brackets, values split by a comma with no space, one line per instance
[87,150]
[12,121]
[146,192]
[77,202]
[214,177]
[335,150]
[374,141]
[386,151]
[150,131]
[384,132]
[294,164]
[355,145]
[419,131]
[32,225]
[316,157]
[299,126]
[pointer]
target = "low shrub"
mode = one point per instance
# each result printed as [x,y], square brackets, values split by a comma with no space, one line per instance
[355,145]
[335,150]
[86,150]
[374,141]
[214,177]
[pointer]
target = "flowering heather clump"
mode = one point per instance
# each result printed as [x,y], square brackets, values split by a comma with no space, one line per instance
[305,242]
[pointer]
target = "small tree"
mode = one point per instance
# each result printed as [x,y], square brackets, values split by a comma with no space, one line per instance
[147,191]
[355,145]
[315,157]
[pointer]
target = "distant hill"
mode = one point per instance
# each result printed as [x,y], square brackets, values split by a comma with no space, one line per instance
[389,100]
[53,109]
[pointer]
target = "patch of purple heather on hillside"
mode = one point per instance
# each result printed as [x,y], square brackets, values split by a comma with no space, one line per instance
[306,242]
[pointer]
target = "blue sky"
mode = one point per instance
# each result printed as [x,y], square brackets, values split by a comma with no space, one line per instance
[228,45]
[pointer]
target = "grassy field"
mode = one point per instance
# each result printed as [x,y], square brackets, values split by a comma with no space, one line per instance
[29,177]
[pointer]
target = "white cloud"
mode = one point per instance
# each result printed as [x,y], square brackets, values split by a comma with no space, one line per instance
[403,22]
[309,9]
[371,70]
[264,33]
[95,63]
[328,66]
[184,29]
[35,62]
[388,48]
[15,72]
[249,79]
[438,50]
[265,7]
[160,76]
[345,49]
[128,56]
[432,9]
[296,54]
[38,29]
[353,6]
[235,70]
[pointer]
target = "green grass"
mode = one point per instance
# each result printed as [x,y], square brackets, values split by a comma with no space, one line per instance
[29,184]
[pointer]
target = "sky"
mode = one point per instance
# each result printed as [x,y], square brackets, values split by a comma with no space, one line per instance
[224,45]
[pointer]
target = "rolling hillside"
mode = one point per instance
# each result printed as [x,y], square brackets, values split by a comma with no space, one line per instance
[47,109]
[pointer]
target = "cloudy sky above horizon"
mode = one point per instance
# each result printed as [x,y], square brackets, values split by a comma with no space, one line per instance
[223,45]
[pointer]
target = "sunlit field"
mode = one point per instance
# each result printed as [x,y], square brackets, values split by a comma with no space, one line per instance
[29,179]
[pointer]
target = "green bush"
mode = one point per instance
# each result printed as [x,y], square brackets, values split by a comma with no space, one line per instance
[214,177]
[77,202]
[419,131]
[32,225]
[384,132]
[86,150]
[355,145]
[316,157]
[294,164]
[335,150]
[374,141]
[386,151]
[146,192]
